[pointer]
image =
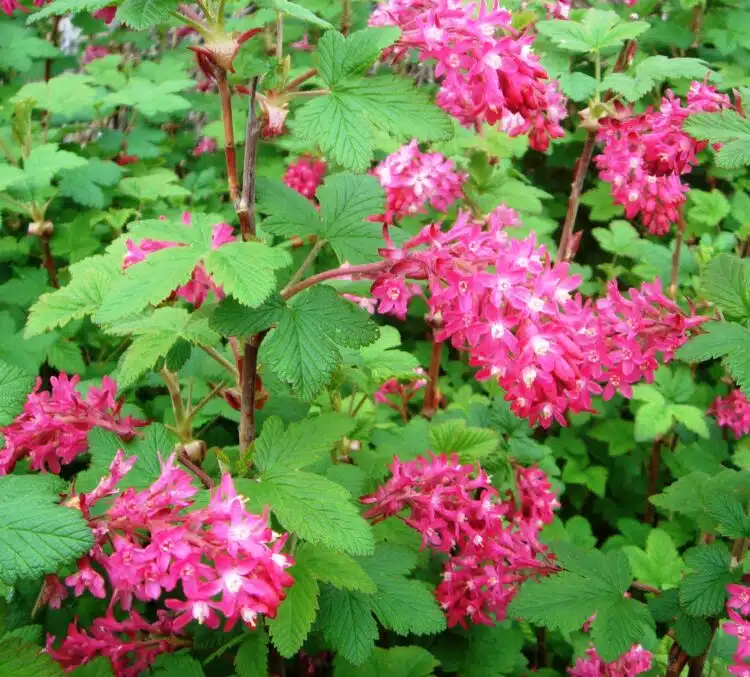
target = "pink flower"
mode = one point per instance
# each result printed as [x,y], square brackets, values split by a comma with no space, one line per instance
[205,145]
[645,155]
[634,662]
[106,14]
[413,179]
[393,295]
[197,289]
[94,52]
[53,428]
[487,71]
[272,116]
[733,412]
[305,174]
[492,543]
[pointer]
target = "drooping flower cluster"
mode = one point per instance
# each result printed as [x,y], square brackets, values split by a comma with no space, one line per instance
[413,179]
[645,155]
[738,607]
[305,174]
[206,144]
[505,302]
[211,564]
[53,428]
[733,412]
[634,662]
[491,542]
[9,6]
[486,69]
[397,395]
[200,285]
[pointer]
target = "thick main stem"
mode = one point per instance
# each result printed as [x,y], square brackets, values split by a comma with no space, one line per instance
[430,404]
[574,201]
[674,279]
[249,371]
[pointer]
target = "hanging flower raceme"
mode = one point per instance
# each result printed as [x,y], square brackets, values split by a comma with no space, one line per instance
[216,564]
[733,412]
[514,311]
[53,428]
[492,543]
[634,662]
[738,607]
[200,285]
[486,69]
[205,144]
[305,175]
[413,179]
[645,155]
[395,394]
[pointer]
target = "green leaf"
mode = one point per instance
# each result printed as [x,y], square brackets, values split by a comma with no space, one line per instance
[598,30]
[67,94]
[246,270]
[317,509]
[620,239]
[652,420]
[84,183]
[295,11]
[38,536]
[346,201]
[59,7]
[703,592]
[336,568]
[399,661]
[252,656]
[493,651]
[718,339]
[47,161]
[156,185]
[231,318]
[22,47]
[148,282]
[726,127]
[347,624]
[289,212]
[177,665]
[660,564]
[693,418]
[593,581]
[22,659]
[708,208]
[142,355]
[10,176]
[341,57]
[471,444]
[296,613]
[140,14]
[300,445]
[303,349]
[103,445]
[577,86]
[692,634]
[726,282]
[619,626]
[729,513]
[15,385]
[91,279]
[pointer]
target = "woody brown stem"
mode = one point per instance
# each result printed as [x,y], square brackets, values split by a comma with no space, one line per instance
[293,84]
[574,201]
[53,40]
[49,263]
[197,471]
[333,273]
[430,404]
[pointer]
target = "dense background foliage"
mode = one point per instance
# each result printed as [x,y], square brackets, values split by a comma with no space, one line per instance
[217,262]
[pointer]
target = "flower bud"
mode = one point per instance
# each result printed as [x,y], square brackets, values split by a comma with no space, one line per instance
[41,229]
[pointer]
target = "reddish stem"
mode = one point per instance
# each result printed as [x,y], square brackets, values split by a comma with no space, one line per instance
[340,272]
[676,255]
[574,201]
[198,472]
[293,84]
[53,39]
[49,263]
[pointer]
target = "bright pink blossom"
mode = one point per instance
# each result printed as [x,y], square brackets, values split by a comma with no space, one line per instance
[212,564]
[733,412]
[94,52]
[53,428]
[486,69]
[634,662]
[205,145]
[413,179]
[200,285]
[738,625]
[106,14]
[645,155]
[305,174]
[492,542]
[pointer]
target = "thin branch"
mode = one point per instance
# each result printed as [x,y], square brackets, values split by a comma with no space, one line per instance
[223,361]
[193,410]
[230,152]
[346,16]
[279,35]
[293,84]
[341,271]
[313,253]
[49,262]
[308,93]
[246,207]
[198,472]
[674,279]
[576,189]
[53,40]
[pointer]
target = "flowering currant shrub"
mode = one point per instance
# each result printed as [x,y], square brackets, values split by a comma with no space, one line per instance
[398,338]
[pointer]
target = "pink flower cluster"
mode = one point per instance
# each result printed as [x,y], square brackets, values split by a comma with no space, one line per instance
[205,144]
[486,69]
[634,662]
[492,543]
[733,412]
[403,391]
[505,302]
[411,179]
[207,564]
[197,289]
[305,174]
[645,155]
[9,6]
[53,428]
[738,607]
